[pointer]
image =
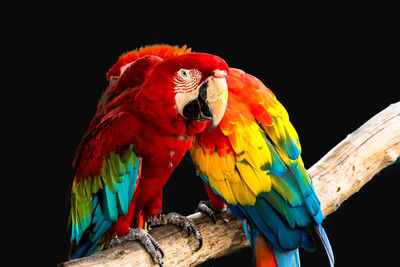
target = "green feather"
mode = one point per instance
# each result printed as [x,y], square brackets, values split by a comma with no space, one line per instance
[117,179]
[287,187]
[105,174]
[277,166]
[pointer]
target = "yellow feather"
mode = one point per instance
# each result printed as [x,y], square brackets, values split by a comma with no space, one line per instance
[292,132]
[199,158]
[257,151]
[285,159]
[214,169]
[267,181]
[258,181]
[249,177]
[241,191]
[222,187]
[277,130]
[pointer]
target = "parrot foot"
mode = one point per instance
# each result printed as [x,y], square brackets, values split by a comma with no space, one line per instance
[147,241]
[205,207]
[179,220]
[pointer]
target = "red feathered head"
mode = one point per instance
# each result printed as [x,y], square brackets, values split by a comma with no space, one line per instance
[194,84]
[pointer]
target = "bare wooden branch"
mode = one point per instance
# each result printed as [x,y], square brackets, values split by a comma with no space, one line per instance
[355,160]
[338,175]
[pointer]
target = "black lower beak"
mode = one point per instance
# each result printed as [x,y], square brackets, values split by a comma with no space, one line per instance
[198,109]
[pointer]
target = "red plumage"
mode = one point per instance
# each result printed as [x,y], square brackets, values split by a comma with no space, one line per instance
[138,108]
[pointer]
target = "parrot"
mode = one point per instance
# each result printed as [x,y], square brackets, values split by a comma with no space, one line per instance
[158,98]
[251,163]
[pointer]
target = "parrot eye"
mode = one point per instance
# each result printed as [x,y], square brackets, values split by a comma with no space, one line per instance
[184,73]
[186,79]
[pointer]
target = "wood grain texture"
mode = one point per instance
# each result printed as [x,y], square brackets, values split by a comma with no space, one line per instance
[355,160]
[338,175]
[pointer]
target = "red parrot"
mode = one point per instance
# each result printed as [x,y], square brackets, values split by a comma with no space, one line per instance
[158,98]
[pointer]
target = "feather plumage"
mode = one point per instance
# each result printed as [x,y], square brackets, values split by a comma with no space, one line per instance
[93,217]
[267,183]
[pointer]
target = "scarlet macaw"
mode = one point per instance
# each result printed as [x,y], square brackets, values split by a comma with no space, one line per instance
[252,161]
[158,98]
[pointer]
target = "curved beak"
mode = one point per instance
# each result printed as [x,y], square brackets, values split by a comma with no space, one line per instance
[211,102]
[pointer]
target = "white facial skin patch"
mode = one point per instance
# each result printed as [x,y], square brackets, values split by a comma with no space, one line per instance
[186,87]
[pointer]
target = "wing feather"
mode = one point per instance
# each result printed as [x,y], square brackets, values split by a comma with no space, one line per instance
[99,196]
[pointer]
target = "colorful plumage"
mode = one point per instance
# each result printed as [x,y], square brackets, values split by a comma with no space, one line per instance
[158,98]
[163,101]
[252,161]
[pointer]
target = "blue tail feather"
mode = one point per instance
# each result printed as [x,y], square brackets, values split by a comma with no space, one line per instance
[325,242]
[287,258]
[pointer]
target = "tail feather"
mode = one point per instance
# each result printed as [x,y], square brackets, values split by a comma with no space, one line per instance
[264,255]
[287,258]
[325,242]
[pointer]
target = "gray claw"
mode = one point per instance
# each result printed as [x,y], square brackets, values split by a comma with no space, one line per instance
[205,207]
[147,241]
[179,220]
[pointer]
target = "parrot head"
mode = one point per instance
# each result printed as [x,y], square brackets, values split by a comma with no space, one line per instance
[195,84]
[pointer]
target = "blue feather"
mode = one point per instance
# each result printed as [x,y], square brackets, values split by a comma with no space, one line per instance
[287,258]
[325,242]
[81,251]
[263,218]
[103,228]
[306,242]
[246,230]
[314,207]
[287,187]
[123,194]
[133,175]
[277,167]
[289,146]
[288,238]
[110,208]
[253,232]
[235,210]
[258,223]
[101,225]
[118,186]
[303,180]
[295,216]
[307,190]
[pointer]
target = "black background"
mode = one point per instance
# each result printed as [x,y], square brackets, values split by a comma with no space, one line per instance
[332,72]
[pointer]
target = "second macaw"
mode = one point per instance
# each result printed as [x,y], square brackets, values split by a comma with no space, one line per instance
[251,161]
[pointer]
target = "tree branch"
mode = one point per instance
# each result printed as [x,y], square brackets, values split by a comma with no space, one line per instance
[338,175]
